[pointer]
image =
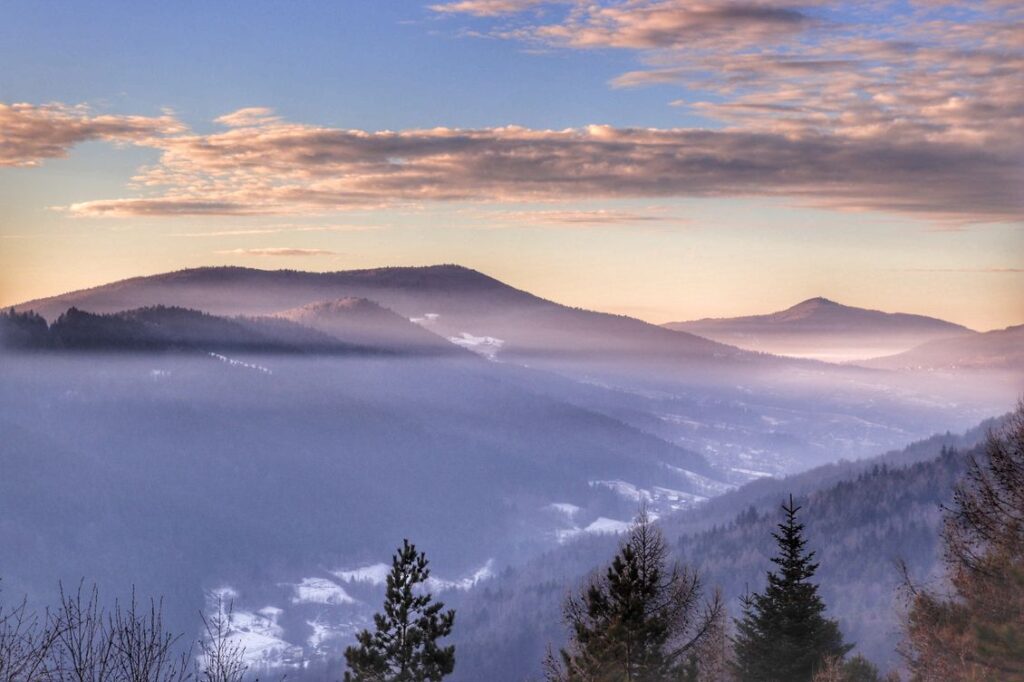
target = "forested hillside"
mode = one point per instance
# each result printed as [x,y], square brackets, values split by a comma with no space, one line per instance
[862,518]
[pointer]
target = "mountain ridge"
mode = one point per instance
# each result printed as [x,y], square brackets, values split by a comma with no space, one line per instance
[824,329]
[809,307]
[454,301]
[1001,349]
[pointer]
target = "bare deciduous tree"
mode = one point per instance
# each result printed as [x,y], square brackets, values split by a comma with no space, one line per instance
[976,630]
[144,651]
[222,659]
[83,650]
[25,643]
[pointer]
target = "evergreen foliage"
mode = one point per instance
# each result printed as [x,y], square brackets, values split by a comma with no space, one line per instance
[404,647]
[641,621]
[784,635]
[22,330]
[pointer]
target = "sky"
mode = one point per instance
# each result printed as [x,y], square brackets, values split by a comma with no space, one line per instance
[665,159]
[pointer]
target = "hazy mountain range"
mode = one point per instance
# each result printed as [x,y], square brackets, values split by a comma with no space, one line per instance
[749,411]
[274,434]
[825,330]
[451,301]
[1000,350]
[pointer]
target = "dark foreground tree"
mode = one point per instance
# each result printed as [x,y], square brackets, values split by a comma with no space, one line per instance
[977,631]
[643,620]
[404,646]
[784,635]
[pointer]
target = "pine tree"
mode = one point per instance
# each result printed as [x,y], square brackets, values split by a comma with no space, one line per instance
[404,646]
[784,635]
[641,621]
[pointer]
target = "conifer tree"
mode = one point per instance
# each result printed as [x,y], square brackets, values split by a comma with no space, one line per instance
[784,635]
[404,646]
[642,621]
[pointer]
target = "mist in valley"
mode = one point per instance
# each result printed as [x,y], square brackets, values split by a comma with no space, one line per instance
[274,460]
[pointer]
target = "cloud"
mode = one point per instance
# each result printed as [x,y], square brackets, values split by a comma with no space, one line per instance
[578,219]
[953,162]
[248,116]
[171,204]
[487,8]
[277,251]
[927,72]
[641,24]
[667,24]
[287,168]
[31,133]
[277,230]
[909,108]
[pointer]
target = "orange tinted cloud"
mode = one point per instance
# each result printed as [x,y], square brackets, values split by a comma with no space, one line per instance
[31,133]
[279,167]
[277,251]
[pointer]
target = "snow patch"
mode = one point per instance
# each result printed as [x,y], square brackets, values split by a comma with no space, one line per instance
[375,574]
[487,346]
[600,526]
[659,499]
[485,572]
[258,634]
[606,525]
[570,510]
[320,591]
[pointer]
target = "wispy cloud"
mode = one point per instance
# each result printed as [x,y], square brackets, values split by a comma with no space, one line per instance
[487,8]
[579,219]
[279,229]
[277,251]
[248,116]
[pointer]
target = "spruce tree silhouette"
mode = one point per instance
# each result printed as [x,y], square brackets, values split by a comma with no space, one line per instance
[642,620]
[404,646]
[784,635]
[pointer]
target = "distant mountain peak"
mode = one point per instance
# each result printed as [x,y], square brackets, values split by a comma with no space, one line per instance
[358,320]
[815,302]
[811,306]
[824,329]
[346,304]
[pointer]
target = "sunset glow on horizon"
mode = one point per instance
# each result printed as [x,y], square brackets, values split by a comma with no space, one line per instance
[661,159]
